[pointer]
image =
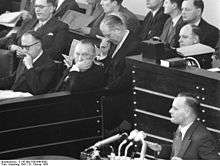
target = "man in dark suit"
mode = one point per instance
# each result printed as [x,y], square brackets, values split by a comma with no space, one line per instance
[110,7]
[52,31]
[154,21]
[118,42]
[173,25]
[192,13]
[84,74]
[36,72]
[192,140]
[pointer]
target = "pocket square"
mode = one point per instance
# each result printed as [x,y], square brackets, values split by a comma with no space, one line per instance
[50,34]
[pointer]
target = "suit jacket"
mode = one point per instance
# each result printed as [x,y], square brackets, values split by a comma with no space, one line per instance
[131,21]
[37,80]
[172,38]
[53,34]
[153,27]
[118,74]
[198,143]
[210,34]
[90,79]
[65,6]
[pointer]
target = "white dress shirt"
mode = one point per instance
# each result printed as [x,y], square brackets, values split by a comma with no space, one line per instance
[184,129]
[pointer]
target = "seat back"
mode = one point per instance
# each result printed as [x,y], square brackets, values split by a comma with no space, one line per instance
[7,61]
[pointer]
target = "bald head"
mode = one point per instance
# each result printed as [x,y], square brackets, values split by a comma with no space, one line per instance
[189,35]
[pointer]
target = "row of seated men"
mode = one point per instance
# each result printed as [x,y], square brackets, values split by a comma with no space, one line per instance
[40,41]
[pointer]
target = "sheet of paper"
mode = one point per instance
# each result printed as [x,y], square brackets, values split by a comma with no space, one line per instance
[76,20]
[10,19]
[195,49]
[7,94]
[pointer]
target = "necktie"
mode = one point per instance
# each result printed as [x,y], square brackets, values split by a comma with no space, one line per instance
[177,142]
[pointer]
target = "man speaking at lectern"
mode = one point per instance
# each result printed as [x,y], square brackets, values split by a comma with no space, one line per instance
[192,141]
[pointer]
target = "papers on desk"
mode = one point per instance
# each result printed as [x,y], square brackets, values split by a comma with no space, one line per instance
[195,49]
[7,94]
[76,20]
[10,19]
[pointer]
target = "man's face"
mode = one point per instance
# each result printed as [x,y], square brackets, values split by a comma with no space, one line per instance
[187,38]
[113,35]
[30,45]
[189,12]
[108,5]
[179,111]
[83,52]
[43,9]
[153,4]
[168,7]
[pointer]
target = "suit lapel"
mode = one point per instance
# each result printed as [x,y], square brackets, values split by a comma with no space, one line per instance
[187,139]
[61,7]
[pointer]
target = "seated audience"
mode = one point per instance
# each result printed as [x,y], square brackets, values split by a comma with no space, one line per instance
[154,21]
[84,74]
[52,30]
[173,25]
[192,141]
[36,72]
[192,13]
[109,7]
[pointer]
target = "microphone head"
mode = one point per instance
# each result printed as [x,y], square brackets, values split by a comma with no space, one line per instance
[140,136]
[133,134]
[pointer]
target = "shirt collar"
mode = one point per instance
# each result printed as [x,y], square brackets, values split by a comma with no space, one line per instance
[176,19]
[59,3]
[184,129]
[36,58]
[121,43]
[197,23]
[154,12]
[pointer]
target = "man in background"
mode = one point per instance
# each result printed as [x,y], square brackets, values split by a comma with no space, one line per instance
[52,31]
[173,25]
[154,21]
[192,140]
[192,13]
[109,7]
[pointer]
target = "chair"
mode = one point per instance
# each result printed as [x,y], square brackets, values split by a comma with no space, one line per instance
[7,63]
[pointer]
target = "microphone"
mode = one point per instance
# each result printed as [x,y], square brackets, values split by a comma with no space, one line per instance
[109,140]
[140,137]
[132,135]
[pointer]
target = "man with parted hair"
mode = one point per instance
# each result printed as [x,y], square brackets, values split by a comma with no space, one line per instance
[154,20]
[173,25]
[109,7]
[52,31]
[192,13]
[192,140]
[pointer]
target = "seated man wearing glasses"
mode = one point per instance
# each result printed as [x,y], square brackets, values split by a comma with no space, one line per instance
[53,32]
[83,74]
[36,72]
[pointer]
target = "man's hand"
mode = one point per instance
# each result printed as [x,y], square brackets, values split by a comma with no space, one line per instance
[84,65]
[104,47]
[28,61]
[14,47]
[154,146]
[26,15]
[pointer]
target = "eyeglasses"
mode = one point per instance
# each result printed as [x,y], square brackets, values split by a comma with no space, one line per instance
[27,47]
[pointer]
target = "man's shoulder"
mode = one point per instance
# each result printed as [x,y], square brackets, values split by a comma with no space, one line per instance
[58,23]
[204,24]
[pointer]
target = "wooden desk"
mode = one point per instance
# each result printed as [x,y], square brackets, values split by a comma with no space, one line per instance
[155,88]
